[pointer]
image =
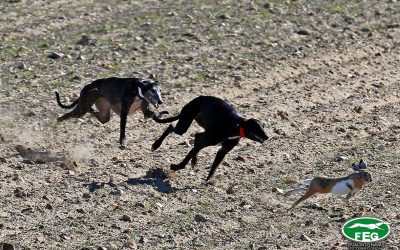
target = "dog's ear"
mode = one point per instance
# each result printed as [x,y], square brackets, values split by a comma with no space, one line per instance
[139,92]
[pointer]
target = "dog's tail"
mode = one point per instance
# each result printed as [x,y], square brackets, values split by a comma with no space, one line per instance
[63,105]
[166,120]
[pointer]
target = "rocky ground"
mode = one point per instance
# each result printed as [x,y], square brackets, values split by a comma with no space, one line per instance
[323,75]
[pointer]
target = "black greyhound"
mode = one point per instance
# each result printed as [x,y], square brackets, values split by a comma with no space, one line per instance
[222,124]
[123,95]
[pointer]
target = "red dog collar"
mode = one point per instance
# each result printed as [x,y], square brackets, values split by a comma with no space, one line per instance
[241,132]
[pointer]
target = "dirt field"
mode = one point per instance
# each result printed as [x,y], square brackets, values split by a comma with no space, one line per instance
[324,76]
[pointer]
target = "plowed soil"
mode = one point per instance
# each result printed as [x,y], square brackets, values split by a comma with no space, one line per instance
[322,75]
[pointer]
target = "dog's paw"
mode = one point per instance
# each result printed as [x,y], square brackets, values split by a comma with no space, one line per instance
[175,167]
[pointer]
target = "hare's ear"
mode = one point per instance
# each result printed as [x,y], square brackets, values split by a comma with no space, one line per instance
[355,167]
[362,164]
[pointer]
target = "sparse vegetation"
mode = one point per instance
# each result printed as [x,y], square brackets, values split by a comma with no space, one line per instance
[313,60]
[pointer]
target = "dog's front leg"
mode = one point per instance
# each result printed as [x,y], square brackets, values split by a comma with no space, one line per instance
[197,141]
[122,126]
[226,147]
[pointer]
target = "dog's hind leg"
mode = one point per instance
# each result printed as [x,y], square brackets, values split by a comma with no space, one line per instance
[197,137]
[158,142]
[226,147]
[192,153]
[201,143]
[104,108]
[86,100]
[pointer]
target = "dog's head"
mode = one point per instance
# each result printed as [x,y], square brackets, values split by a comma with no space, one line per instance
[254,130]
[151,92]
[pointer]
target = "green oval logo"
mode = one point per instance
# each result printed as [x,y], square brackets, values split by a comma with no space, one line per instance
[366,229]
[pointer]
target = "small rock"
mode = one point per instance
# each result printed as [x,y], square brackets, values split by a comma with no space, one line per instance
[340,158]
[28,161]
[304,32]
[200,218]
[224,16]
[231,189]
[41,238]
[287,158]
[140,205]
[80,210]
[84,40]
[283,114]
[55,55]
[378,85]
[21,66]
[358,214]
[27,210]
[238,78]
[20,193]
[240,158]
[129,245]
[143,240]
[244,203]
[305,238]
[279,131]
[117,192]
[126,218]
[49,206]
[358,109]
[290,181]
[8,246]
[344,218]
[86,195]
[268,5]
[65,237]
[31,114]
[277,190]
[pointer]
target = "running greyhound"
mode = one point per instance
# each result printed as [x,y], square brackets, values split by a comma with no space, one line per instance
[123,95]
[222,123]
